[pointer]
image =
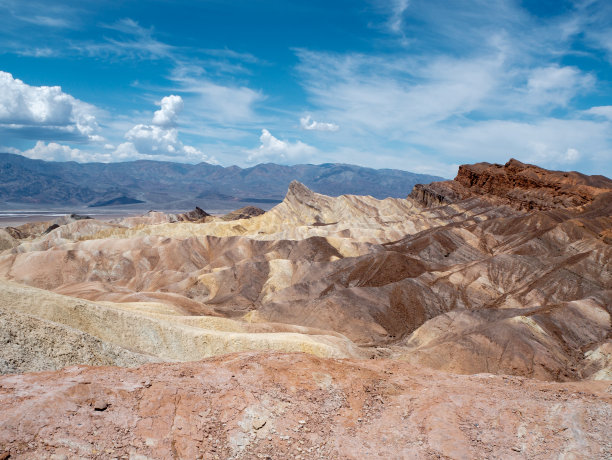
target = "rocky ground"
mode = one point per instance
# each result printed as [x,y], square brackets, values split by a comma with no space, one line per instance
[284,406]
[503,275]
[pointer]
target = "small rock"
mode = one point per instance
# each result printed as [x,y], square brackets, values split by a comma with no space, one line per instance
[259,422]
[516,449]
[100,405]
[5,455]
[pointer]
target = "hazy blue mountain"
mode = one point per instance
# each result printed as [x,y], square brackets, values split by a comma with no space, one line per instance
[27,181]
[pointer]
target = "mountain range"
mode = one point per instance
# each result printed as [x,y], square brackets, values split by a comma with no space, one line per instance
[167,185]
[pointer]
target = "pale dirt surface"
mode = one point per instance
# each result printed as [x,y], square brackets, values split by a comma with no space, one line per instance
[282,406]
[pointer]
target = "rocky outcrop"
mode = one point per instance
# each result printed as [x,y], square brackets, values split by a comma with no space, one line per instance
[244,213]
[7,239]
[196,215]
[31,344]
[522,186]
[158,217]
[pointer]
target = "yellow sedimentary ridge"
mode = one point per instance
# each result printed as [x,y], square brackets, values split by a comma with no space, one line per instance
[161,331]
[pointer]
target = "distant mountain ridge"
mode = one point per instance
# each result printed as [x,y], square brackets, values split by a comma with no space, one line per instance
[27,181]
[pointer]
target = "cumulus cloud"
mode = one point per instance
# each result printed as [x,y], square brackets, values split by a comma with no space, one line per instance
[58,152]
[273,149]
[168,114]
[5,149]
[311,125]
[161,137]
[43,111]
[155,140]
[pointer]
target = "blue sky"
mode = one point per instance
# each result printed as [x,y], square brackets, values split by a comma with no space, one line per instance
[415,85]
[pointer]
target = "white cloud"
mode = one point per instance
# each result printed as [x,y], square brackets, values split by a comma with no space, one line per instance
[155,140]
[52,151]
[571,156]
[133,42]
[228,103]
[47,21]
[221,103]
[37,110]
[398,7]
[550,142]
[36,52]
[168,114]
[5,149]
[311,125]
[372,94]
[488,106]
[591,24]
[161,138]
[600,111]
[273,149]
[556,85]
[58,152]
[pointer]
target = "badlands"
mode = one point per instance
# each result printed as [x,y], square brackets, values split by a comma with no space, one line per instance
[471,319]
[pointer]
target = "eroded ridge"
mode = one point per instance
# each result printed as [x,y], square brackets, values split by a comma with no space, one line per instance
[506,269]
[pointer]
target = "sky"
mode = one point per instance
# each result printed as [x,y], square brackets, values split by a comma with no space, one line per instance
[418,85]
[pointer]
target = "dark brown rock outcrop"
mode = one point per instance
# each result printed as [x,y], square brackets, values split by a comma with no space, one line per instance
[196,215]
[519,185]
[244,213]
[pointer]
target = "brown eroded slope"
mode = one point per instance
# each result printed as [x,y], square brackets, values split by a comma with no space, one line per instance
[506,269]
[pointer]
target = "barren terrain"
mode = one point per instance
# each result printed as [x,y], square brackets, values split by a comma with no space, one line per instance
[503,274]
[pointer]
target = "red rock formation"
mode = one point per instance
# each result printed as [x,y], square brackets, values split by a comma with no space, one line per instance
[519,185]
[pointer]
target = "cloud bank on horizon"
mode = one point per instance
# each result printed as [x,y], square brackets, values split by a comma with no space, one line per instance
[415,85]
